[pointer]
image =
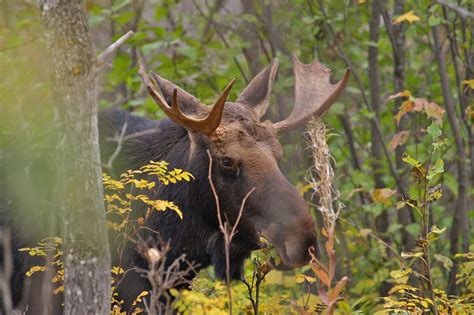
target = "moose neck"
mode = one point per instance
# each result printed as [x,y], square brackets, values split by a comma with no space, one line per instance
[197,234]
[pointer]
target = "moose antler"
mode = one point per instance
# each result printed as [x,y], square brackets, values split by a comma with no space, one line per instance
[205,125]
[314,94]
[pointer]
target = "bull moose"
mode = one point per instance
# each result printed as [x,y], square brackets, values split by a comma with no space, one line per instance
[244,152]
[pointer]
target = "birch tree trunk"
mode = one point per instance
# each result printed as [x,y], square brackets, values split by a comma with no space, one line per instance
[78,179]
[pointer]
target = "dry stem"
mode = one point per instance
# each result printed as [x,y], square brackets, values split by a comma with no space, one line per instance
[322,177]
[227,229]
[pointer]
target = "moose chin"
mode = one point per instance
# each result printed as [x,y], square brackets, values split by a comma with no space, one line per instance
[244,153]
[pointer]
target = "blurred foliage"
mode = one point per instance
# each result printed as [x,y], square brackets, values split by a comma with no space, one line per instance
[201,45]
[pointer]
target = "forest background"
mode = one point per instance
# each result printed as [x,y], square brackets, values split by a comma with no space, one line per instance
[401,135]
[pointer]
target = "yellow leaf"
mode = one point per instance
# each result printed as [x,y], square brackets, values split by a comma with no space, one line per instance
[469,83]
[138,299]
[406,107]
[404,93]
[299,278]
[34,269]
[409,17]
[117,270]
[400,287]
[382,195]
[58,290]
[401,276]
[303,188]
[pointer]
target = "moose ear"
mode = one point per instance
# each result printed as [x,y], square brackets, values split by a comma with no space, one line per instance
[257,94]
[188,103]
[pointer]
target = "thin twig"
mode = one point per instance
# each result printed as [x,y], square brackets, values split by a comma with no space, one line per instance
[373,120]
[224,41]
[227,229]
[462,12]
[112,48]
[241,211]
[114,155]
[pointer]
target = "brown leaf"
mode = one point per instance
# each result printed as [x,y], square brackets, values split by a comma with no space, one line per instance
[431,109]
[419,104]
[434,111]
[323,295]
[334,293]
[399,139]
[320,272]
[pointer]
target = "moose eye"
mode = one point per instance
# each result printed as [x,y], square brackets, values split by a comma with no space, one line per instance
[227,163]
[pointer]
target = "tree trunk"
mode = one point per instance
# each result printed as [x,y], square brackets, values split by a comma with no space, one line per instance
[382,220]
[396,34]
[374,80]
[460,226]
[78,179]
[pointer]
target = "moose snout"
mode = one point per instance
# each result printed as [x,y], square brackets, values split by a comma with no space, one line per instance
[297,250]
[288,223]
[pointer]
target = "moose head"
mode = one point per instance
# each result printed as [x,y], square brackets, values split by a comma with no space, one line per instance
[245,151]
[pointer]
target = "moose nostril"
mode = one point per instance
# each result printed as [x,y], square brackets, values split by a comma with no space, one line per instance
[298,249]
[310,247]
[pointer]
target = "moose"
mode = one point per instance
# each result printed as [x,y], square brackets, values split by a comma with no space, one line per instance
[244,152]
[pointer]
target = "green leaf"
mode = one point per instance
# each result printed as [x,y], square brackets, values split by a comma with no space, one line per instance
[161,12]
[434,234]
[434,130]
[413,228]
[368,114]
[96,20]
[401,276]
[437,168]
[411,161]
[433,21]
[189,52]
[394,227]
[118,4]
[445,261]
[337,108]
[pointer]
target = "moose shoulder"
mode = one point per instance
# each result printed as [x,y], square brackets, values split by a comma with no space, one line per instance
[245,153]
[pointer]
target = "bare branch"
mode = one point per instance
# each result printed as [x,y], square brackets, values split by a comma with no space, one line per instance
[356,76]
[462,12]
[162,276]
[227,229]
[117,149]
[112,48]
[218,28]
[240,212]
[216,197]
